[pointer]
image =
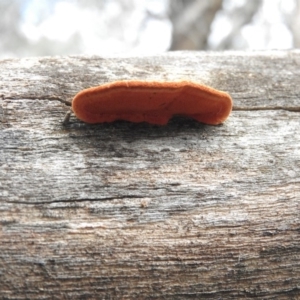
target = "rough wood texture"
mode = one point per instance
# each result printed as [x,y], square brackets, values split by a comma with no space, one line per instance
[136,211]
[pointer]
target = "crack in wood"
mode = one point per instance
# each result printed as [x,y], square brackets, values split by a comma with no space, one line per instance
[78,200]
[257,108]
[67,102]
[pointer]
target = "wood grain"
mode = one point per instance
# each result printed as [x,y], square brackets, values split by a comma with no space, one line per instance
[122,210]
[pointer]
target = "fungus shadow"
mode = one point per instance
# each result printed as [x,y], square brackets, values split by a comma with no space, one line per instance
[124,130]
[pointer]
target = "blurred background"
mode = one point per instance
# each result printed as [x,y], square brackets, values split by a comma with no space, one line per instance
[133,27]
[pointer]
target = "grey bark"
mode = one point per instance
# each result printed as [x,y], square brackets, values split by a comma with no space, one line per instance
[192,23]
[295,24]
[122,210]
[239,17]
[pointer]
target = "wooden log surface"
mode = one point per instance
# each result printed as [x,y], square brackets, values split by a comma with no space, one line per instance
[137,211]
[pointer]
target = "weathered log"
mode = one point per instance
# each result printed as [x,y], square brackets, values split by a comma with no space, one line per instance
[125,210]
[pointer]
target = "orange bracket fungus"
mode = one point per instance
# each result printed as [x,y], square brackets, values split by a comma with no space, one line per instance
[151,101]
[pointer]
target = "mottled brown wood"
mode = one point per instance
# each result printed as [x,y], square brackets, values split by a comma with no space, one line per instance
[136,211]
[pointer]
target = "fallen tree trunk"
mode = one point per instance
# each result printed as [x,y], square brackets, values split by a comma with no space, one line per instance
[125,210]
